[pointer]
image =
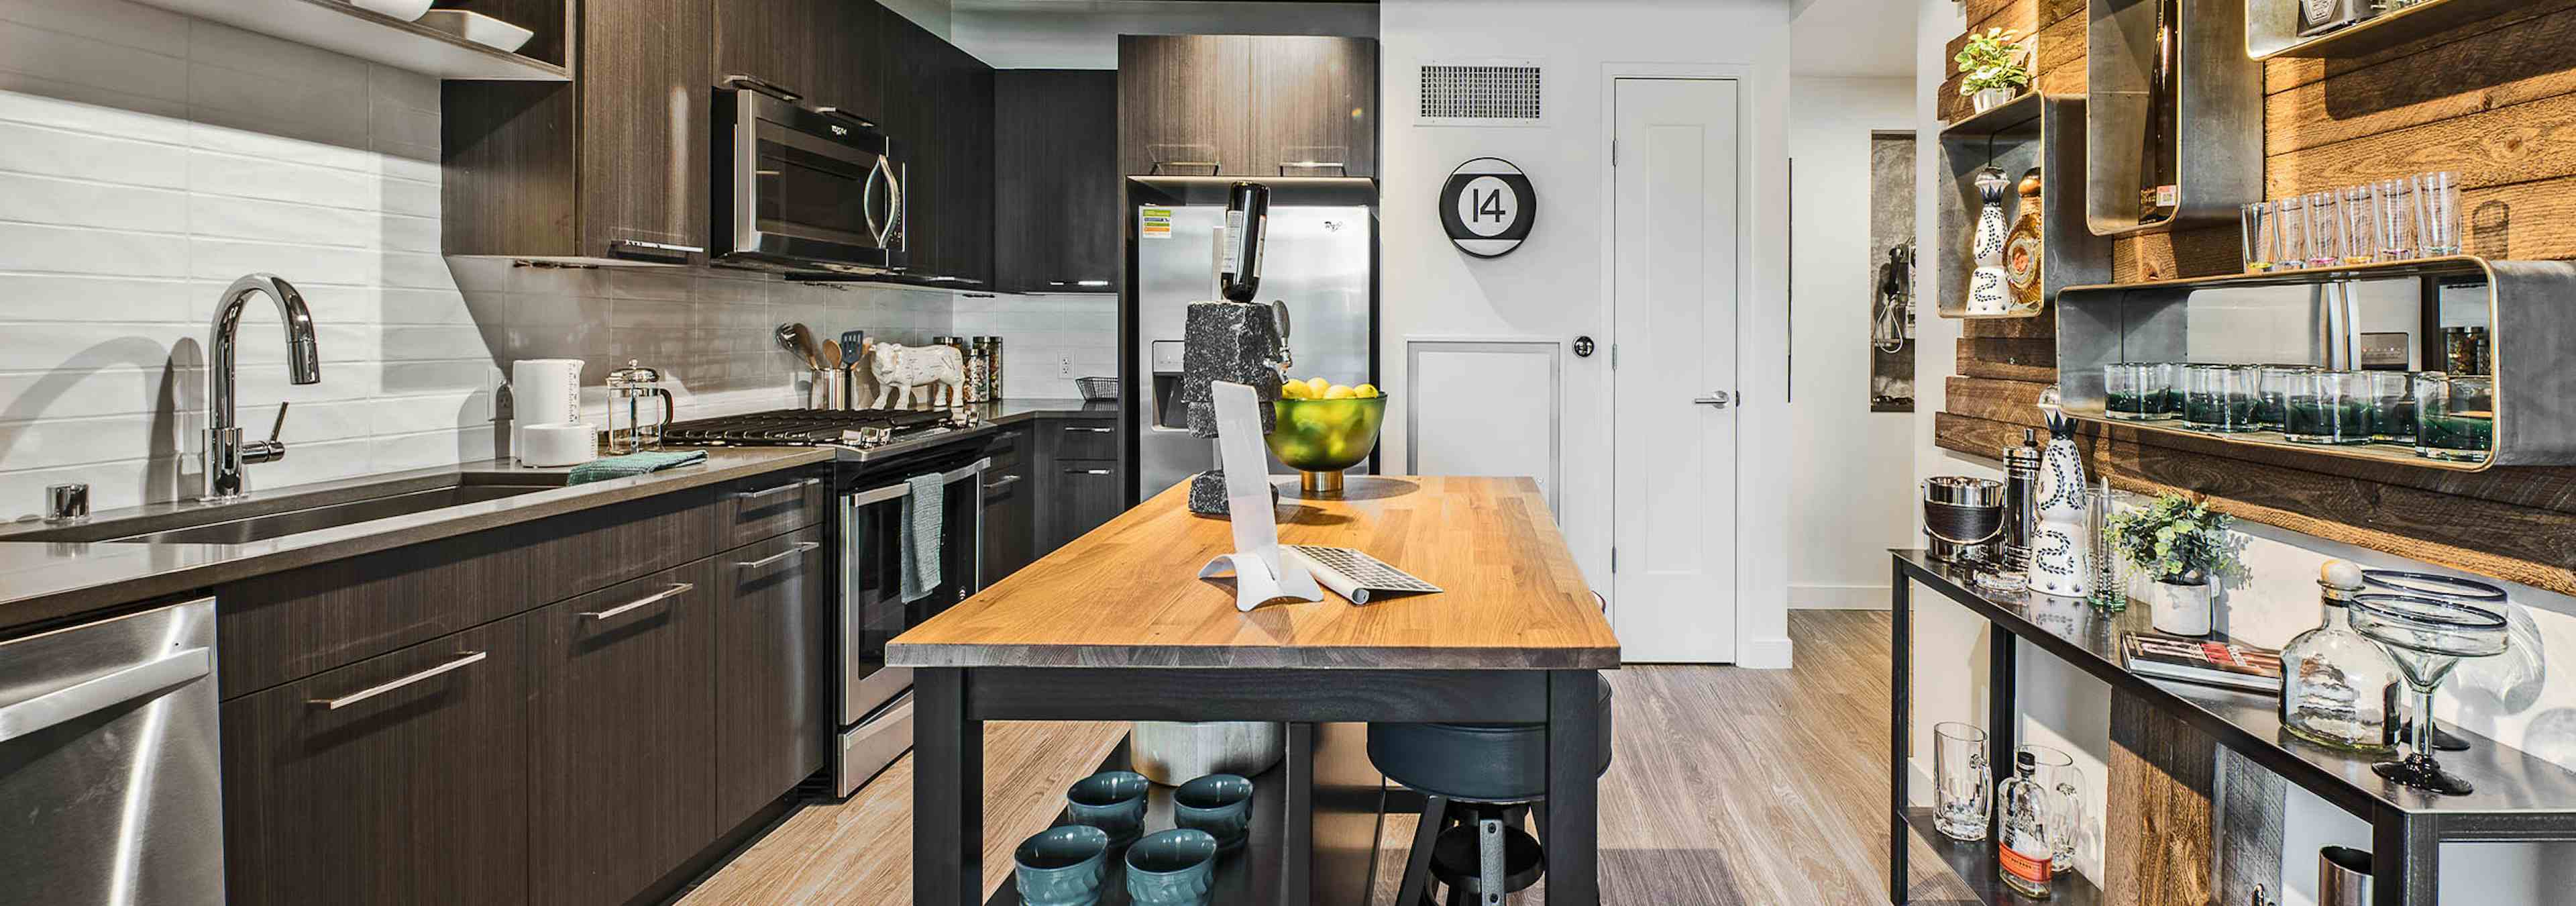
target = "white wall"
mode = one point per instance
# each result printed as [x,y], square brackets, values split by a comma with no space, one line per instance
[1849,480]
[1554,286]
[1083,34]
[147,159]
[1048,340]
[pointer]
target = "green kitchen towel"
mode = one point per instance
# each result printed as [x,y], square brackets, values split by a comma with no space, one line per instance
[633,464]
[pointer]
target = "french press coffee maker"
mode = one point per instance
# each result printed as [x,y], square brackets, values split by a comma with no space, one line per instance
[628,387]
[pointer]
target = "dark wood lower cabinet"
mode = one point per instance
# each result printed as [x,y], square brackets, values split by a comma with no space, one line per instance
[1085,494]
[398,779]
[624,761]
[1010,507]
[773,658]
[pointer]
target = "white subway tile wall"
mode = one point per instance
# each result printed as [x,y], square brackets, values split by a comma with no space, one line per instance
[148,158]
[1044,338]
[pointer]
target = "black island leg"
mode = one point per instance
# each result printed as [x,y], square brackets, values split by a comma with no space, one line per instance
[1573,788]
[1900,708]
[947,792]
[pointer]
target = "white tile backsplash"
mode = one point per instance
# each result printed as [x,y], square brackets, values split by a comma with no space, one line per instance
[1043,337]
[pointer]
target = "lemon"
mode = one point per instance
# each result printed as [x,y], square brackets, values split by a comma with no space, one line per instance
[1295,390]
[1364,391]
[1318,385]
[1337,392]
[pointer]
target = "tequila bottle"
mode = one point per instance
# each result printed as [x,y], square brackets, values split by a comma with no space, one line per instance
[2334,682]
[2023,809]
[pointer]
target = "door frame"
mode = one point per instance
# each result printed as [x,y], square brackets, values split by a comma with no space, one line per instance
[1761,639]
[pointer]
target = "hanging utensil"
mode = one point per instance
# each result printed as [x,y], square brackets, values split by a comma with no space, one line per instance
[792,338]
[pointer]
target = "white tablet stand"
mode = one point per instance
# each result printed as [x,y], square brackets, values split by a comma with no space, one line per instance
[1259,575]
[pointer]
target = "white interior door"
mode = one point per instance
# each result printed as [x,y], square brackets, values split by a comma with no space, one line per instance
[1674,298]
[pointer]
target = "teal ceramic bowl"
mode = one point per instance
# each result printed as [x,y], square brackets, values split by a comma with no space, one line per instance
[1220,804]
[1062,866]
[1113,801]
[1172,868]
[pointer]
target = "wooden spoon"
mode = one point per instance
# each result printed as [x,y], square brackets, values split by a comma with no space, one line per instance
[832,354]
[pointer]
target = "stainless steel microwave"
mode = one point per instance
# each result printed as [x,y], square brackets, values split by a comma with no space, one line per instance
[802,188]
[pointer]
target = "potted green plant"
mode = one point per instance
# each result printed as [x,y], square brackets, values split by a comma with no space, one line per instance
[1991,68]
[2187,549]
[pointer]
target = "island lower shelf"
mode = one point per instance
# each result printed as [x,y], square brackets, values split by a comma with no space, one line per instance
[1247,876]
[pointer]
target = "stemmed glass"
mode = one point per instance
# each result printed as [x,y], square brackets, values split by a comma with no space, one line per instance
[2426,637]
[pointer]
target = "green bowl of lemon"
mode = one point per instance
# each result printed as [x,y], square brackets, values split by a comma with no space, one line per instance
[1324,428]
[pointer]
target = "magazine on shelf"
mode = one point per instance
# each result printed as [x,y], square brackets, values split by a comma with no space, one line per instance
[2208,662]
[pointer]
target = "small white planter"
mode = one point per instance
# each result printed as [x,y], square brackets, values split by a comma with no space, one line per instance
[1990,98]
[2181,609]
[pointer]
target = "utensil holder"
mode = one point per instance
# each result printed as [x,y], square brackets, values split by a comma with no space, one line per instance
[829,389]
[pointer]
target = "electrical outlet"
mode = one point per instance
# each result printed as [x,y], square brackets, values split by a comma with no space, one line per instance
[1064,366]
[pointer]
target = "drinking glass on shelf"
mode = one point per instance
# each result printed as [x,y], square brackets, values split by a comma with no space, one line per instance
[2290,229]
[2272,386]
[2392,406]
[2110,570]
[2325,230]
[2218,398]
[2360,233]
[2394,225]
[2056,773]
[2454,416]
[2437,208]
[2133,391]
[2328,407]
[2260,239]
[1963,778]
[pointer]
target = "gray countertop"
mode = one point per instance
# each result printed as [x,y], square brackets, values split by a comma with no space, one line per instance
[45,581]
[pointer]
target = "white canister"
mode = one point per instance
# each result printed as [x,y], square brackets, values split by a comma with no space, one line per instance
[542,392]
[2181,609]
[546,446]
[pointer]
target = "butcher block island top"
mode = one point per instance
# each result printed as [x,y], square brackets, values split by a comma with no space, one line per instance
[1127,594]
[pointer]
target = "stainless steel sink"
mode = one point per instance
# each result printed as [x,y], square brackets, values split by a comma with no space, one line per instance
[307,510]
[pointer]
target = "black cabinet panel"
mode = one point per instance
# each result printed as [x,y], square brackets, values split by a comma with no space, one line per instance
[624,761]
[414,788]
[1085,495]
[1055,173]
[773,658]
[1010,507]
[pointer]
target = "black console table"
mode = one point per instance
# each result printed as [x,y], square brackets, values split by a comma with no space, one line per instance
[2519,797]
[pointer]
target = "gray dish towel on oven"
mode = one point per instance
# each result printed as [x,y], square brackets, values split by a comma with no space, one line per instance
[922,518]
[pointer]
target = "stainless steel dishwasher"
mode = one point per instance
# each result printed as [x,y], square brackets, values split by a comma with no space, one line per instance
[110,786]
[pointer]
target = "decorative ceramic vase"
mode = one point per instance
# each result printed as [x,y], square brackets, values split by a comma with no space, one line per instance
[1989,287]
[1990,98]
[2061,557]
[2181,609]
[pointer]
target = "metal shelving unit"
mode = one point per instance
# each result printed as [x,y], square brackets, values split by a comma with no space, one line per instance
[2046,131]
[2272,27]
[2519,797]
[2218,123]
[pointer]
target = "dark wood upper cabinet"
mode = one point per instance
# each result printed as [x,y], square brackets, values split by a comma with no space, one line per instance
[773,721]
[1314,106]
[914,92]
[853,54]
[1055,177]
[1184,104]
[624,760]
[397,779]
[613,165]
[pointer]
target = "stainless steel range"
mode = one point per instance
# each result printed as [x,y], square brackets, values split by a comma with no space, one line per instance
[881,453]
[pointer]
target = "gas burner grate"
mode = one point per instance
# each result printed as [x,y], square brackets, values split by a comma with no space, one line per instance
[799,427]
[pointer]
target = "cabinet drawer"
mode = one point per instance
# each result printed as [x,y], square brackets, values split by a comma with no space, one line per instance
[588,551]
[1008,449]
[624,760]
[292,624]
[398,779]
[1083,439]
[767,506]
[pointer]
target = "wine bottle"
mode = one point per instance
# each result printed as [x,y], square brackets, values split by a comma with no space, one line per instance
[2158,194]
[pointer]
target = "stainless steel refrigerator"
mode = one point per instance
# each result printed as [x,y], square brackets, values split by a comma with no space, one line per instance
[1320,258]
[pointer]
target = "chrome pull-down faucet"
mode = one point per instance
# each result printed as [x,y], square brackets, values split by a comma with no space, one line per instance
[226,453]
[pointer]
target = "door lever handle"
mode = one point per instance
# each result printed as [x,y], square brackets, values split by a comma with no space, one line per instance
[1718,398]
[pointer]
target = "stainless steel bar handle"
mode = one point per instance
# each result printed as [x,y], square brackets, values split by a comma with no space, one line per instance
[1088,472]
[898,491]
[89,696]
[1089,430]
[800,548]
[1718,398]
[781,489]
[1002,482]
[676,589]
[460,663]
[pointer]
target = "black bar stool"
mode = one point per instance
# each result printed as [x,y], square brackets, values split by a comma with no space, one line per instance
[1480,782]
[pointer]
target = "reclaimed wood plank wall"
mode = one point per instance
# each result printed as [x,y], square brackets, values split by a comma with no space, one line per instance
[2495,101]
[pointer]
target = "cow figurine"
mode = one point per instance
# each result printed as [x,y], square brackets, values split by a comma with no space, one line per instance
[899,368]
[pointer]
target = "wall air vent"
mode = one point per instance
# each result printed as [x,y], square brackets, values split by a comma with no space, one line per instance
[1481,93]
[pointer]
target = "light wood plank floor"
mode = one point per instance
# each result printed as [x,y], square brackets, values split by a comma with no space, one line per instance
[1728,786]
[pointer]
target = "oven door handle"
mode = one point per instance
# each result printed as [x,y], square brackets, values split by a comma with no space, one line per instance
[898,490]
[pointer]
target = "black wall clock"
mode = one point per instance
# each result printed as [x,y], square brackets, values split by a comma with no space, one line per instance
[1487,207]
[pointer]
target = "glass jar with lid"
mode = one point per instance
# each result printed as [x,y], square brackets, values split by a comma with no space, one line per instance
[628,388]
[2334,682]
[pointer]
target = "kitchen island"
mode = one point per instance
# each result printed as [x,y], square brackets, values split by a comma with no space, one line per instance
[1116,626]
